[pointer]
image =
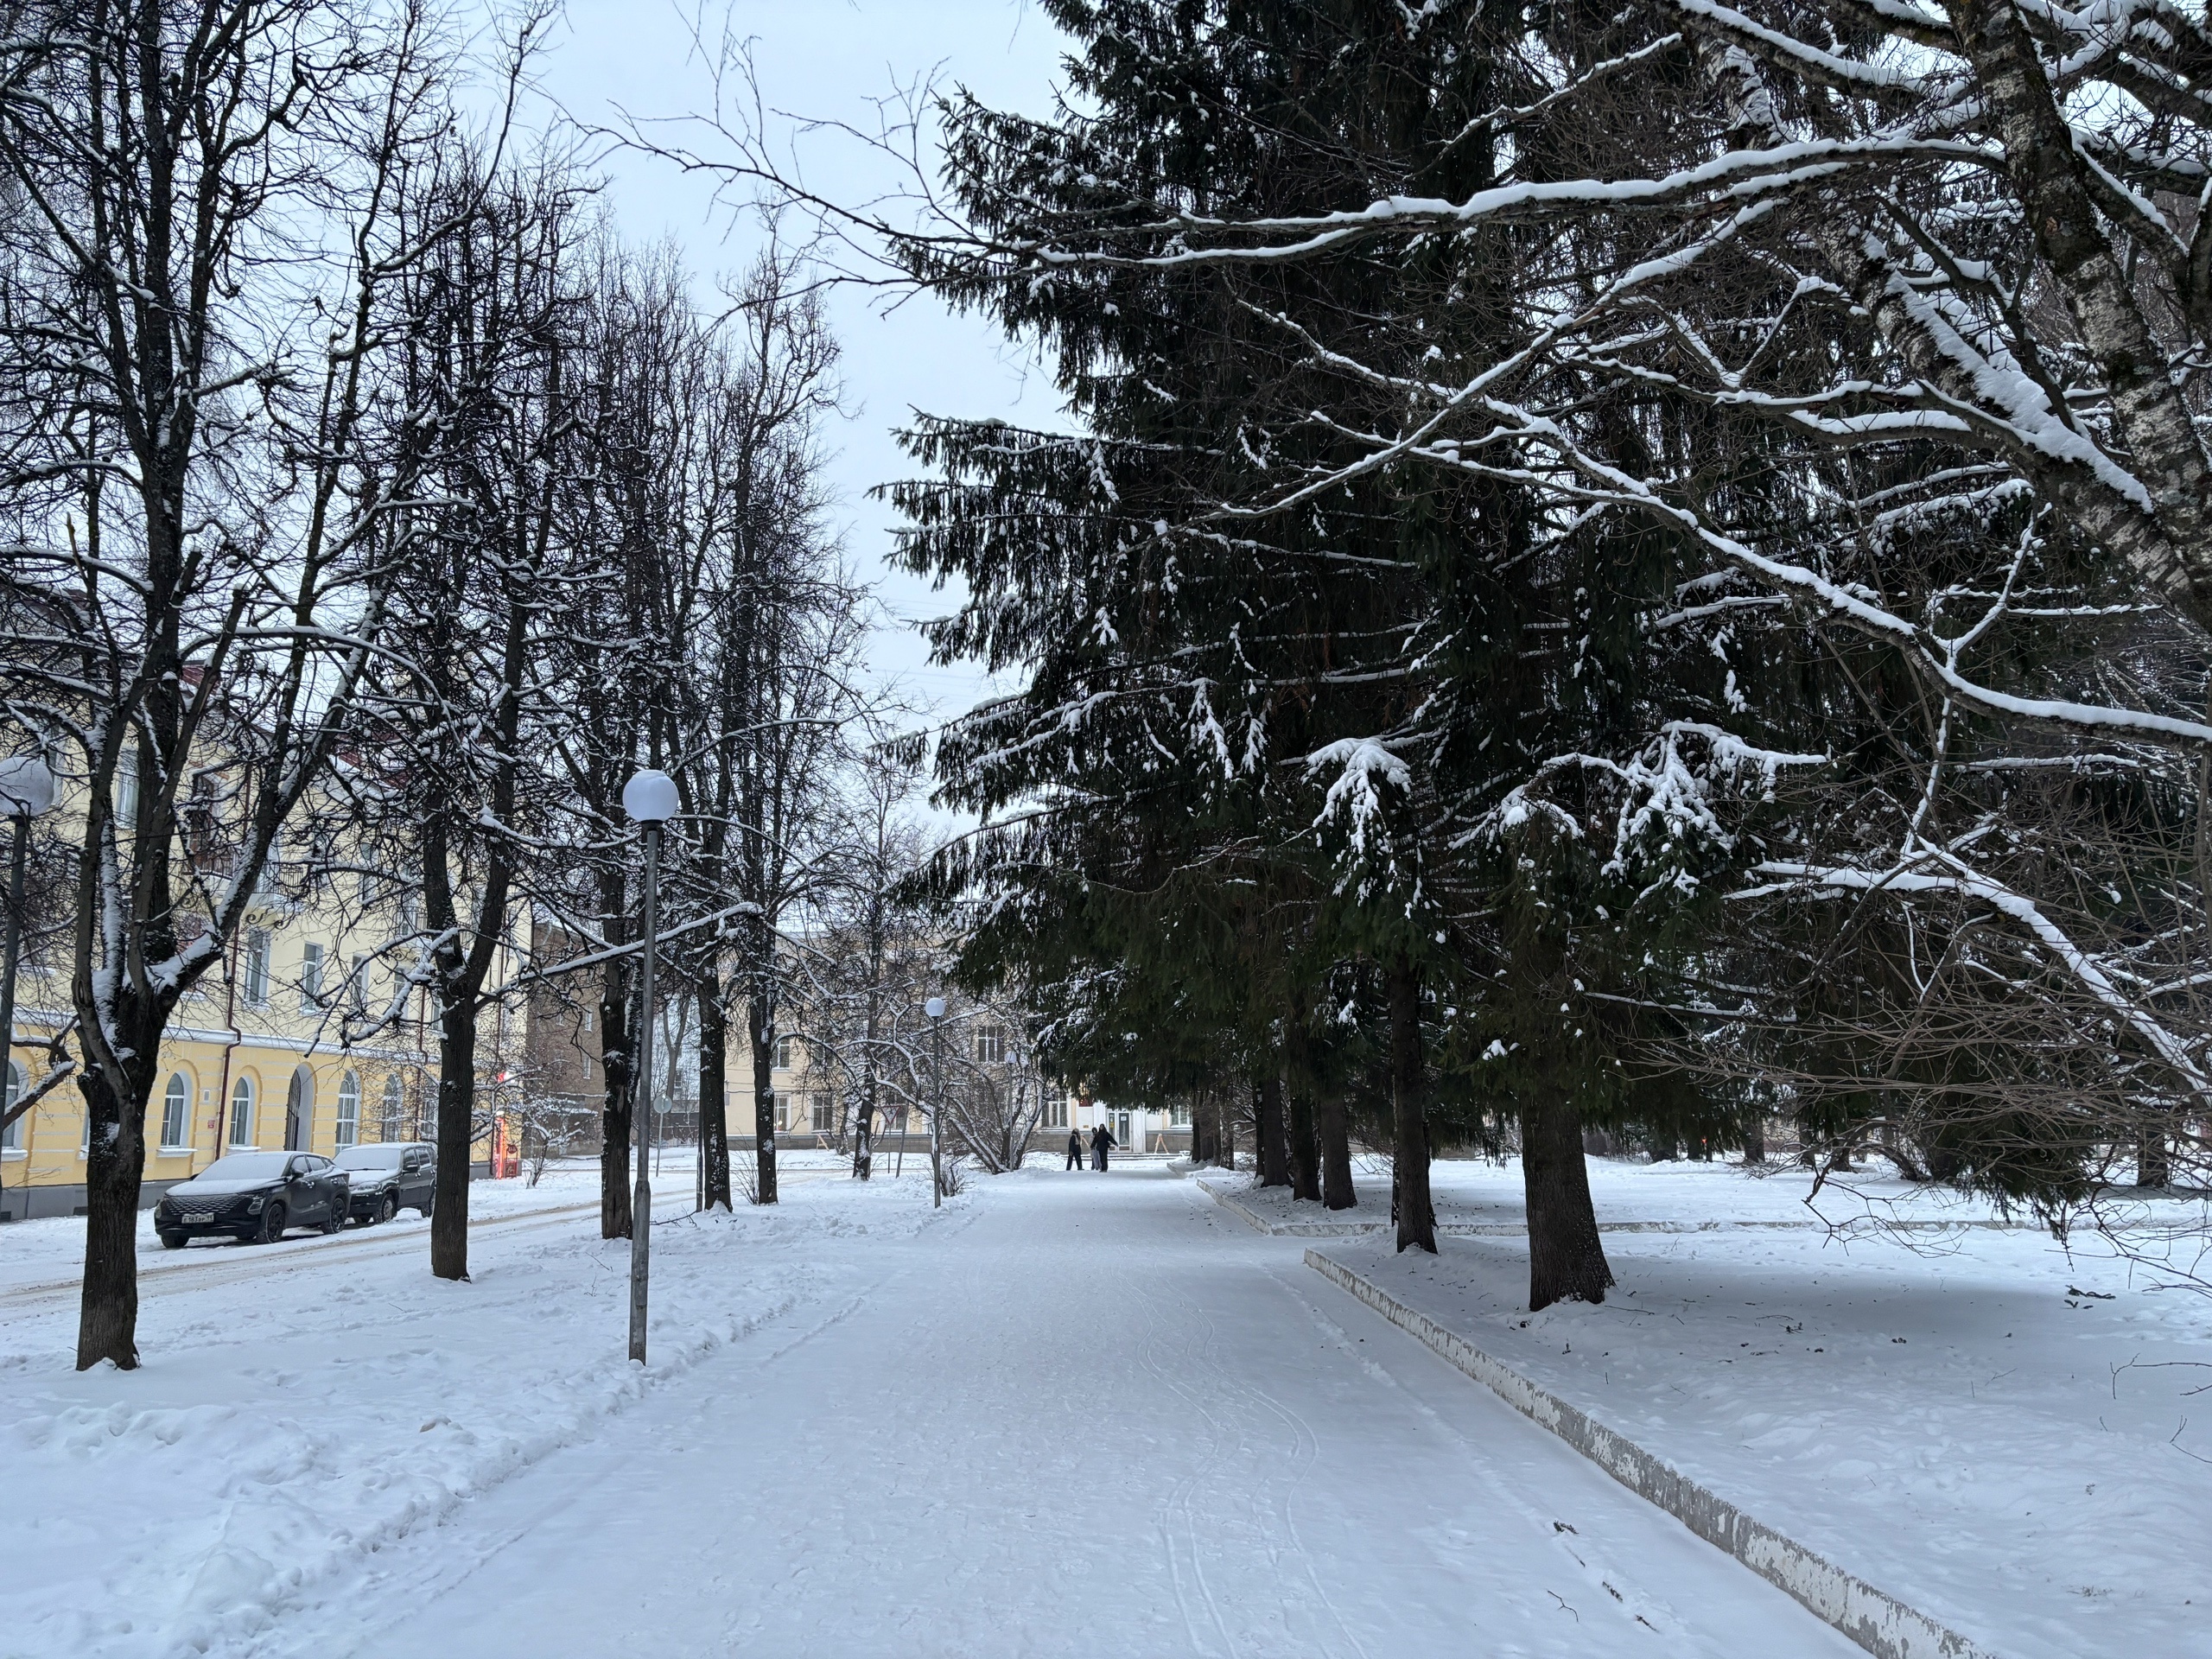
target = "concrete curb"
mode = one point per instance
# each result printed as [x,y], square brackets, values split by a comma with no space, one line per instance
[1876,1620]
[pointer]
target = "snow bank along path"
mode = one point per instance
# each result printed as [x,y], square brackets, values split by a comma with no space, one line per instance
[1995,1430]
[302,1405]
[1074,1414]
[1876,1620]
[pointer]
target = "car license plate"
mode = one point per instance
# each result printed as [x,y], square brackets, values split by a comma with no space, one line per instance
[198,1217]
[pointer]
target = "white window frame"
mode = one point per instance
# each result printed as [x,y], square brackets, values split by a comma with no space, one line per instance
[254,971]
[13,1082]
[787,1053]
[176,1102]
[822,1114]
[394,1108]
[311,960]
[349,1110]
[243,1093]
[991,1045]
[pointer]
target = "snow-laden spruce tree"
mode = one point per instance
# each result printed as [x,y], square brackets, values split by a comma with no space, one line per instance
[1260,619]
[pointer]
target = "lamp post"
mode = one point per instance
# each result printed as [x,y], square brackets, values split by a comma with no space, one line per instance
[26,791]
[934,1008]
[650,799]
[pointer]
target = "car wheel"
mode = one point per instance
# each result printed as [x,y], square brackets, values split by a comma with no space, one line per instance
[389,1208]
[272,1223]
[335,1221]
[429,1203]
[172,1240]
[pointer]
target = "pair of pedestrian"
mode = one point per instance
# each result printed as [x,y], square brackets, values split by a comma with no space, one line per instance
[1102,1142]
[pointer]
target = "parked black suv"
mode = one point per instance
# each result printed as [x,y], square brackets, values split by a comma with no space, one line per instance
[254,1196]
[390,1176]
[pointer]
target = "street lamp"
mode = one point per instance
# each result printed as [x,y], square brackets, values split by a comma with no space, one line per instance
[26,791]
[934,1008]
[650,799]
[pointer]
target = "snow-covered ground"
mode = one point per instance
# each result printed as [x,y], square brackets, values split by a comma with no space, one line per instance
[1069,1414]
[47,1255]
[2003,1431]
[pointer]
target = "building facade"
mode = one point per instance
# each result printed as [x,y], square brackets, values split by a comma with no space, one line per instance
[256,1055]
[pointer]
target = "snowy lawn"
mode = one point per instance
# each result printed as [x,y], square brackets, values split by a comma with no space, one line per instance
[306,1404]
[1995,1428]
[1475,1194]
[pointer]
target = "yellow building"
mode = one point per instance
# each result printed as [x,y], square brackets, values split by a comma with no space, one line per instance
[253,1056]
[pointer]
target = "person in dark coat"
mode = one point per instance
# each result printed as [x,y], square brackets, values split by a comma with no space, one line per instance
[1075,1149]
[1102,1142]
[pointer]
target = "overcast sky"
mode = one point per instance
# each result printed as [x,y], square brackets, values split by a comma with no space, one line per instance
[830,59]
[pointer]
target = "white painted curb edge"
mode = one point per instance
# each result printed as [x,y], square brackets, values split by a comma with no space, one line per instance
[1874,1619]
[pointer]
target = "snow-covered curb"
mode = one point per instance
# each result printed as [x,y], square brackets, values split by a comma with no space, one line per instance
[1874,1619]
[1258,1223]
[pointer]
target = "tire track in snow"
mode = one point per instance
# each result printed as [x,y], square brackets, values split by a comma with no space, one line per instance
[1209,1388]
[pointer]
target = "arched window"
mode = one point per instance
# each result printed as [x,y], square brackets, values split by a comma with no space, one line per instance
[393,1103]
[176,1101]
[349,1109]
[11,1138]
[242,1112]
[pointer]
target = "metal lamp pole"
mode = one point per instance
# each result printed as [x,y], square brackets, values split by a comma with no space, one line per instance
[934,1008]
[650,799]
[26,791]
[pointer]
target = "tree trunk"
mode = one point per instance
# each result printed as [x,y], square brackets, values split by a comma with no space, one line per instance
[1566,1262]
[1272,1144]
[2153,1167]
[1755,1138]
[1304,1150]
[764,1100]
[1416,1214]
[107,1319]
[1335,1134]
[713,1094]
[617,1046]
[457,1110]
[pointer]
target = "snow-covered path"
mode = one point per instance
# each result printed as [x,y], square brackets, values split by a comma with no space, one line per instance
[1085,1415]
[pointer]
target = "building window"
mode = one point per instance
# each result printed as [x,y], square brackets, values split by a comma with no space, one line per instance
[310,978]
[256,969]
[357,986]
[1179,1114]
[349,1109]
[11,1138]
[824,1115]
[991,1045]
[273,869]
[242,1112]
[787,1053]
[176,1102]
[392,1103]
[126,787]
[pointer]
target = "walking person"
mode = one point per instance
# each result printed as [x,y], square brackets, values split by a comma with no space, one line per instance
[1075,1149]
[1102,1142]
